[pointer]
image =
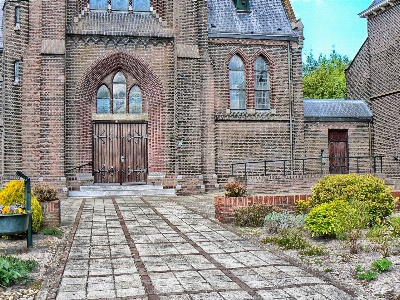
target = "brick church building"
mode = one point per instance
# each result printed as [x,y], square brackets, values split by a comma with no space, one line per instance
[374,75]
[159,92]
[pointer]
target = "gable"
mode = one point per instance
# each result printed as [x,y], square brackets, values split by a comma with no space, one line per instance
[376,6]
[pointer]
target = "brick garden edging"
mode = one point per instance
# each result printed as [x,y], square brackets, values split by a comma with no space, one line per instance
[224,206]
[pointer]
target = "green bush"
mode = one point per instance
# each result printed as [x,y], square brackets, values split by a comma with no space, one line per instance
[14,192]
[395,224]
[323,219]
[289,238]
[302,207]
[253,216]
[13,269]
[353,187]
[234,189]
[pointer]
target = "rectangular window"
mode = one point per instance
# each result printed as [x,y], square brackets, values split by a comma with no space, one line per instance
[17,17]
[242,4]
[16,71]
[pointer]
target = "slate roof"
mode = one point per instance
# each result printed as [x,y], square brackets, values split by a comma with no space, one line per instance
[267,19]
[375,5]
[336,110]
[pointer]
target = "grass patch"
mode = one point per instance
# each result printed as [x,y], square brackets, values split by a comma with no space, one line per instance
[52,231]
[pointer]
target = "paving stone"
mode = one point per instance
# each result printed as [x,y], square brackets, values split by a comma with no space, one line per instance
[75,295]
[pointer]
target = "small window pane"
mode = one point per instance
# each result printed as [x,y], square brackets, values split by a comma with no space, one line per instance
[17,15]
[98,4]
[103,100]
[16,71]
[135,100]
[238,100]
[141,5]
[236,63]
[119,94]
[237,80]
[119,5]
[262,84]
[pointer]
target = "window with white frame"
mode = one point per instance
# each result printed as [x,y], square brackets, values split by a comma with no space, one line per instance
[261,84]
[237,83]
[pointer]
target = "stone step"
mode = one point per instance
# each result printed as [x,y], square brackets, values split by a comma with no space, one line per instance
[121,190]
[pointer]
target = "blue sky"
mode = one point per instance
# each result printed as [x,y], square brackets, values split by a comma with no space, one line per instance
[332,24]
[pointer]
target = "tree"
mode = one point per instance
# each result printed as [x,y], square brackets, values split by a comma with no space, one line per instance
[325,78]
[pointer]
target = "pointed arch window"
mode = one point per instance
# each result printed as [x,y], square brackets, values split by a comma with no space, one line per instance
[135,100]
[103,100]
[237,83]
[121,5]
[262,84]
[119,94]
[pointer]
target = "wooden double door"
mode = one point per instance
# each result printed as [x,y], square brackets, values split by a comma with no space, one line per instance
[338,151]
[120,153]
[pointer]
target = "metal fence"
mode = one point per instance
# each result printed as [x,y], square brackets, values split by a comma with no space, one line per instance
[308,166]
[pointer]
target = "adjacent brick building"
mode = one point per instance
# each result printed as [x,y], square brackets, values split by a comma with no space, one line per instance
[374,75]
[151,91]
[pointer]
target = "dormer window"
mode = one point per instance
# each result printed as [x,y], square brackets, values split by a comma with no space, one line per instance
[243,5]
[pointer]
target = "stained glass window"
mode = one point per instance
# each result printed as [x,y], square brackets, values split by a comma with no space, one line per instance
[141,5]
[261,84]
[237,83]
[120,5]
[98,4]
[103,100]
[135,100]
[119,94]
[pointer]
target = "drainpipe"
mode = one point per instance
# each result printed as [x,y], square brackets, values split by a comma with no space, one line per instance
[289,58]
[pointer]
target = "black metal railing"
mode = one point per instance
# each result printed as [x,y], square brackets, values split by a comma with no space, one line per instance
[314,165]
[90,163]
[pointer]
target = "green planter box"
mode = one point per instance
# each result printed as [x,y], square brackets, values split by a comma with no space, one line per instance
[13,224]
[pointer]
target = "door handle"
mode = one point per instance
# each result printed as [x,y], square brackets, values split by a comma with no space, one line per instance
[122,159]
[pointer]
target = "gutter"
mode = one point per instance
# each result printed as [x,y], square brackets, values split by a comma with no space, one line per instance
[259,36]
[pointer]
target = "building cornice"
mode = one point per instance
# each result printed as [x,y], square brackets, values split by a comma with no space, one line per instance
[377,8]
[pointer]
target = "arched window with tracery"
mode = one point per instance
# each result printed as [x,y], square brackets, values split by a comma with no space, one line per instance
[237,83]
[103,100]
[135,100]
[262,96]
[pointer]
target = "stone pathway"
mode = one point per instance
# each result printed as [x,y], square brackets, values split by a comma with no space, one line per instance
[158,248]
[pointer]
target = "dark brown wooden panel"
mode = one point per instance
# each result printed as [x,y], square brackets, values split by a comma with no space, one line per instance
[120,153]
[338,152]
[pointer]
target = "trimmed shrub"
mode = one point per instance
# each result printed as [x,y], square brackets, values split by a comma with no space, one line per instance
[323,219]
[353,187]
[253,216]
[234,189]
[14,192]
[302,207]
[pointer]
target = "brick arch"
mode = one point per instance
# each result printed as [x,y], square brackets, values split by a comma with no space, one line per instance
[271,64]
[152,92]
[239,52]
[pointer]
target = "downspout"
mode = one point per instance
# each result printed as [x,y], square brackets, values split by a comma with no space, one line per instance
[289,58]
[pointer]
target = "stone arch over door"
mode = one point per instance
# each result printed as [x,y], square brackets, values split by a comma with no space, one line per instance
[152,93]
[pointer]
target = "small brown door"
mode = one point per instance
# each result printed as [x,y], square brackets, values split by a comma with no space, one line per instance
[338,152]
[120,153]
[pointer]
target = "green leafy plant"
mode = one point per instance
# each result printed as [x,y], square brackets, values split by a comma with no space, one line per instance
[327,270]
[234,189]
[353,187]
[52,231]
[13,269]
[44,193]
[302,207]
[253,216]
[14,192]
[382,265]
[275,221]
[367,275]
[381,235]
[288,238]
[314,251]
[395,224]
